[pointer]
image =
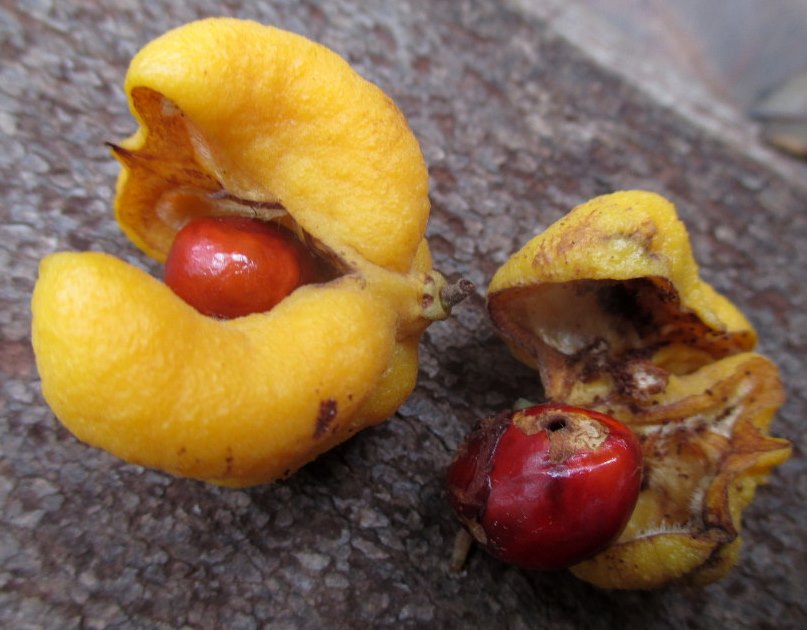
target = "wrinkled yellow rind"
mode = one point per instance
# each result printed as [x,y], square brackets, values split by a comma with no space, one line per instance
[272,116]
[645,563]
[717,565]
[623,235]
[238,402]
[706,449]
[749,381]
[619,238]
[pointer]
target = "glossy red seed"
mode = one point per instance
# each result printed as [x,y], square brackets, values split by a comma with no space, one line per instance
[546,487]
[233,266]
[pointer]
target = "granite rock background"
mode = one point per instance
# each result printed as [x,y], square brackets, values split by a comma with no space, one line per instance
[517,126]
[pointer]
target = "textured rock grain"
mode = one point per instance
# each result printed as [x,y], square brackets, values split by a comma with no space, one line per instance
[517,127]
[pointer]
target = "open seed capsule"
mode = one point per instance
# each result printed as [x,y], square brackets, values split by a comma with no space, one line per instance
[242,119]
[608,305]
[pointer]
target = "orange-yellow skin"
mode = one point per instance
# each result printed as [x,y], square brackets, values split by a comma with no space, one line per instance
[608,305]
[240,118]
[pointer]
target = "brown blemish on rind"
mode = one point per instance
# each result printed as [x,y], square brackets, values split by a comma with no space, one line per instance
[328,409]
[588,234]
[639,380]
[229,460]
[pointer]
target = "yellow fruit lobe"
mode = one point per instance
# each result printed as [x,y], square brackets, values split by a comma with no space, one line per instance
[269,116]
[235,399]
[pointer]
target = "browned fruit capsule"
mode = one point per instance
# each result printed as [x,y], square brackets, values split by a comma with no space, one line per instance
[608,305]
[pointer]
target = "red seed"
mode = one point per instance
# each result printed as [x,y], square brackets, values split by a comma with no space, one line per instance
[548,486]
[233,266]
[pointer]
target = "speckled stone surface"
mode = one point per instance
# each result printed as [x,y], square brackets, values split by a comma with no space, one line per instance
[517,126]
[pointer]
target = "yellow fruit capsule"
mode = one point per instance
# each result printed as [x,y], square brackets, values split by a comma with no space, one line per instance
[608,305]
[244,119]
